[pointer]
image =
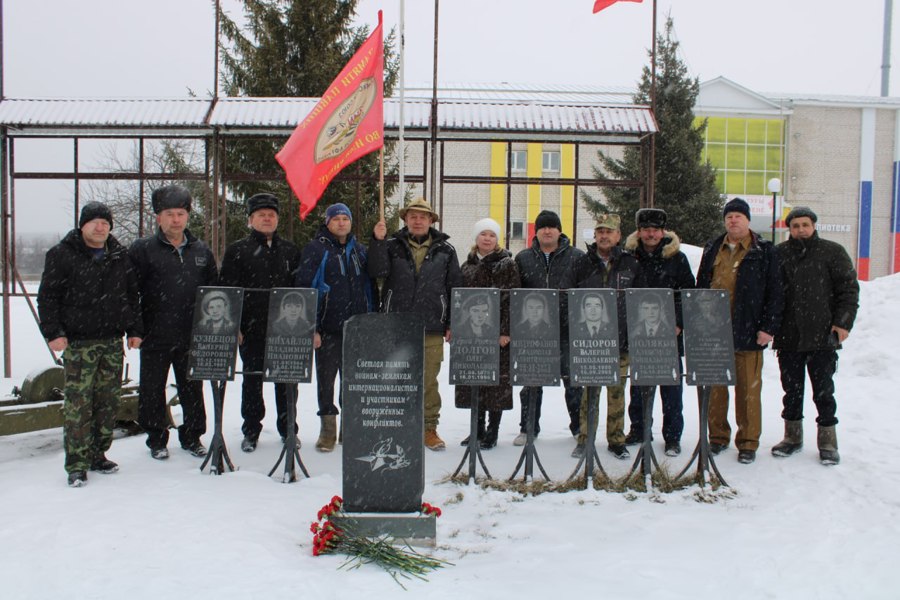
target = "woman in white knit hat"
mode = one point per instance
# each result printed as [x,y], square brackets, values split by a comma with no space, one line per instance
[489,265]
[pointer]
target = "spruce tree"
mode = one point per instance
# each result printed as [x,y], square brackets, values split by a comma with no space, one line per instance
[685,186]
[295,48]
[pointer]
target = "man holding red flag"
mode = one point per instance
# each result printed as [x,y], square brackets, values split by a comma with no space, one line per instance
[346,124]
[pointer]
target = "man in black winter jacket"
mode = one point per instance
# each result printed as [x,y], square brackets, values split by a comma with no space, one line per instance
[821,297]
[87,299]
[170,266]
[745,265]
[544,266]
[261,261]
[420,268]
[663,265]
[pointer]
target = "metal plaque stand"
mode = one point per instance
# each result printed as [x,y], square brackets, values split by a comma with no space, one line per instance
[474,442]
[289,451]
[701,453]
[529,453]
[590,456]
[645,456]
[217,458]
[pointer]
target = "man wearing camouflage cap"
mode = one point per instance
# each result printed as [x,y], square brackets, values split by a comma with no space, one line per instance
[607,265]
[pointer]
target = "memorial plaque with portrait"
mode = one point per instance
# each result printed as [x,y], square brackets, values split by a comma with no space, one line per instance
[593,337]
[382,385]
[652,340]
[289,335]
[534,337]
[475,343]
[214,335]
[708,338]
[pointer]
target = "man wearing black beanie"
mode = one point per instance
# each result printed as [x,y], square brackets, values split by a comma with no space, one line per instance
[87,300]
[544,265]
[747,266]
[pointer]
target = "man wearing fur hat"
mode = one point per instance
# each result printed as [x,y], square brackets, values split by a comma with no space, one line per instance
[420,269]
[170,266]
[87,300]
[335,263]
[821,297]
[607,265]
[663,265]
[745,265]
[261,261]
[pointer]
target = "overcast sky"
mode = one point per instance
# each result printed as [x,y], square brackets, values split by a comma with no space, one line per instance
[165,47]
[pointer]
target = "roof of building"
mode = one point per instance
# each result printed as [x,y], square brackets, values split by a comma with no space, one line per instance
[472,118]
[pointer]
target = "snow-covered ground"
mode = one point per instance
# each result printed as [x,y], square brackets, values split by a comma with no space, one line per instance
[794,529]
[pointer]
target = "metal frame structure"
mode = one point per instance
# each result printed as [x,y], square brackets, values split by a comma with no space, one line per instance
[218,121]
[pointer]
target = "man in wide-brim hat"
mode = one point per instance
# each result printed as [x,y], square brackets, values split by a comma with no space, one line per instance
[420,268]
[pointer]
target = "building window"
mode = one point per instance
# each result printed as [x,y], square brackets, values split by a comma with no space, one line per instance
[517,230]
[746,153]
[550,161]
[518,160]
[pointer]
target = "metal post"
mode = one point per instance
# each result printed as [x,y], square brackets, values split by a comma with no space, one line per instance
[774,205]
[289,450]
[886,49]
[473,448]
[217,458]
[5,145]
[434,110]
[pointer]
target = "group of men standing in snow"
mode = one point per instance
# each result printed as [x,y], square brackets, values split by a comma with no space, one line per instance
[802,295]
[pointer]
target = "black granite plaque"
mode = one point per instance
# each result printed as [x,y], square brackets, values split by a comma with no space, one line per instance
[383,420]
[534,337]
[289,336]
[593,337]
[214,335]
[652,339]
[708,339]
[475,343]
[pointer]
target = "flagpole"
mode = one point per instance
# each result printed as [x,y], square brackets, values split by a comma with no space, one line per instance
[434,113]
[402,151]
[381,184]
[651,180]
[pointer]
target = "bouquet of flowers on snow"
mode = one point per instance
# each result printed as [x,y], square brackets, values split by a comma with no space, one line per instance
[329,538]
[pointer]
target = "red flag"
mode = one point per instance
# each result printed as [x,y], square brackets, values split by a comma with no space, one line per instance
[601,4]
[347,123]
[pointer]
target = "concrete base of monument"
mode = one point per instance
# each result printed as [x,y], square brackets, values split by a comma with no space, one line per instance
[414,529]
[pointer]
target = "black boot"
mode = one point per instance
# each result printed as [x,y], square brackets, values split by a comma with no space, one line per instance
[489,440]
[793,439]
[480,431]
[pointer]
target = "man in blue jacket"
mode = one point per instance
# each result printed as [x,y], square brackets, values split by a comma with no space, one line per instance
[747,266]
[334,263]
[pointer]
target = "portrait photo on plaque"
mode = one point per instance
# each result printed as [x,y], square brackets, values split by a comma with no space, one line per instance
[214,335]
[534,337]
[708,337]
[593,337]
[652,339]
[475,339]
[289,335]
